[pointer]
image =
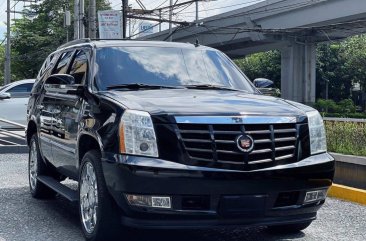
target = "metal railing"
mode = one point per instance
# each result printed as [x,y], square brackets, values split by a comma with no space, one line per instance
[12,137]
[344,119]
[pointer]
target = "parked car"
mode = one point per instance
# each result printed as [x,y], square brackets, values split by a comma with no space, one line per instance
[13,101]
[171,135]
[266,87]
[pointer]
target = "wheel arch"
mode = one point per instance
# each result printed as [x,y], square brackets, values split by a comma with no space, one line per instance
[31,130]
[87,142]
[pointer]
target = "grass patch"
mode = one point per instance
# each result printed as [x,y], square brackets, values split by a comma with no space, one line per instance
[346,137]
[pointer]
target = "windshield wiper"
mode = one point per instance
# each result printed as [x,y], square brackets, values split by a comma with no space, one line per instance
[136,86]
[210,87]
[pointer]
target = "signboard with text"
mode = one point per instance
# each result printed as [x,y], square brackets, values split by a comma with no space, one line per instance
[146,28]
[110,24]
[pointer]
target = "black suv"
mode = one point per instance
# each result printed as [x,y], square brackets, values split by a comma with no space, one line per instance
[171,135]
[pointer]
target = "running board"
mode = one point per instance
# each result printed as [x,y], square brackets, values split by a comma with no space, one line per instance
[66,192]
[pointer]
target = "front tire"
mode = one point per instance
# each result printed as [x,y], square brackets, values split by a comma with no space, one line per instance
[98,212]
[37,167]
[288,228]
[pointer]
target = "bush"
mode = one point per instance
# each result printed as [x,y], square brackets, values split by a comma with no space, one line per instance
[346,137]
[345,108]
[326,106]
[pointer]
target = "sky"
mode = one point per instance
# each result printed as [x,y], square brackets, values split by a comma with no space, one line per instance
[206,8]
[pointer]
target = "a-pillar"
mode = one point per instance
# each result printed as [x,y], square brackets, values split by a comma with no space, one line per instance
[298,72]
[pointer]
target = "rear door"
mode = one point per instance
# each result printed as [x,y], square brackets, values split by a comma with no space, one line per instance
[68,118]
[47,110]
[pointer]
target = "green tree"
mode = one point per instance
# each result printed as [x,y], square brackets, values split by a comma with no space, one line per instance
[33,39]
[2,60]
[262,65]
[331,68]
[354,53]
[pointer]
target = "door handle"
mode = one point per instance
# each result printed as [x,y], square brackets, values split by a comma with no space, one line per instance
[40,107]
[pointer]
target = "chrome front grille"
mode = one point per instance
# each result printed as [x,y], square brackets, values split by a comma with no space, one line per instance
[216,143]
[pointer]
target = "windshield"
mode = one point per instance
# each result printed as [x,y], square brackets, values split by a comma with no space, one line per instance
[167,67]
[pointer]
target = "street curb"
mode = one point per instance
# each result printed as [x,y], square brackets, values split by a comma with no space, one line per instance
[16,149]
[348,193]
[358,160]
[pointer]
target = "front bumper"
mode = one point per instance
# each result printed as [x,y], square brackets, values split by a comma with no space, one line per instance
[231,198]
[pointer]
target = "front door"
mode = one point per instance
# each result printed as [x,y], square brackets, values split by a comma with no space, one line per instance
[66,122]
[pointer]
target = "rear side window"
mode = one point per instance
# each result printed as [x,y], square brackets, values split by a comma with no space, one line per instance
[62,64]
[44,72]
[45,66]
[79,67]
[23,88]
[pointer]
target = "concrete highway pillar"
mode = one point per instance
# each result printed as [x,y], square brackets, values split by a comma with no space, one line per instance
[298,72]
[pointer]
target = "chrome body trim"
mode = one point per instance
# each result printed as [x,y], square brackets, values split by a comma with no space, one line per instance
[240,119]
[168,165]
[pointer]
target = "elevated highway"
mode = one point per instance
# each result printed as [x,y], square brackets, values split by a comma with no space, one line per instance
[292,26]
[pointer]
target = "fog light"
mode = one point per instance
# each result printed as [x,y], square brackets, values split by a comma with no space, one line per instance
[314,196]
[149,201]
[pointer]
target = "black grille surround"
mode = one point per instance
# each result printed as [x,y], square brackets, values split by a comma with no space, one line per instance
[214,145]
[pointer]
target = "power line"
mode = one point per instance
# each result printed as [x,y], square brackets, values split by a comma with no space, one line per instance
[2,42]
[228,6]
[159,20]
[266,10]
[275,9]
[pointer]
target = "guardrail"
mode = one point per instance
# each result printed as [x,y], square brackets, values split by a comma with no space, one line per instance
[12,137]
[344,119]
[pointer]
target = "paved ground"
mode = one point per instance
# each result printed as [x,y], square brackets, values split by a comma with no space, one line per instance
[24,218]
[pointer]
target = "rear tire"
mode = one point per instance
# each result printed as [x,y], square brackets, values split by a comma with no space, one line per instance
[37,167]
[99,215]
[288,228]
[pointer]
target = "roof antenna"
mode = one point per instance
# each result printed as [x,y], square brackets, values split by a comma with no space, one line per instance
[197,43]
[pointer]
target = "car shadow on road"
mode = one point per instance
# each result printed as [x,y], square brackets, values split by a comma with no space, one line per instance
[222,234]
[58,219]
[219,234]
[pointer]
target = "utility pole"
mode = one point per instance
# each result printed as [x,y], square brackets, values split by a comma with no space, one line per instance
[8,47]
[92,19]
[129,28]
[76,20]
[196,10]
[124,17]
[67,22]
[81,18]
[170,20]
[160,20]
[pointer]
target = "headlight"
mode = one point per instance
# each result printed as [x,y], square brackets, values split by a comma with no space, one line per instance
[137,135]
[318,142]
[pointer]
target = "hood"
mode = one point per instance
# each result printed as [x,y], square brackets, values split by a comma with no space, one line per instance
[203,102]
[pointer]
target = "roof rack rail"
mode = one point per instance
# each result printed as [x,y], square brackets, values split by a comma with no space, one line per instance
[112,39]
[76,41]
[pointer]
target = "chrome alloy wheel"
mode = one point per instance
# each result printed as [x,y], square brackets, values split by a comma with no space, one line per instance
[33,165]
[88,197]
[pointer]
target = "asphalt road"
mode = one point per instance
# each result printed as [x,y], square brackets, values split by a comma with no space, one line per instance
[24,218]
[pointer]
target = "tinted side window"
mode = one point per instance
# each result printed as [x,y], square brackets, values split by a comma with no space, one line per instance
[23,88]
[45,66]
[62,64]
[44,72]
[79,67]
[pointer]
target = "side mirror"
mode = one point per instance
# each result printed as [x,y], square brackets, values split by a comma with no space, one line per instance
[4,96]
[63,84]
[60,79]
[263,83]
